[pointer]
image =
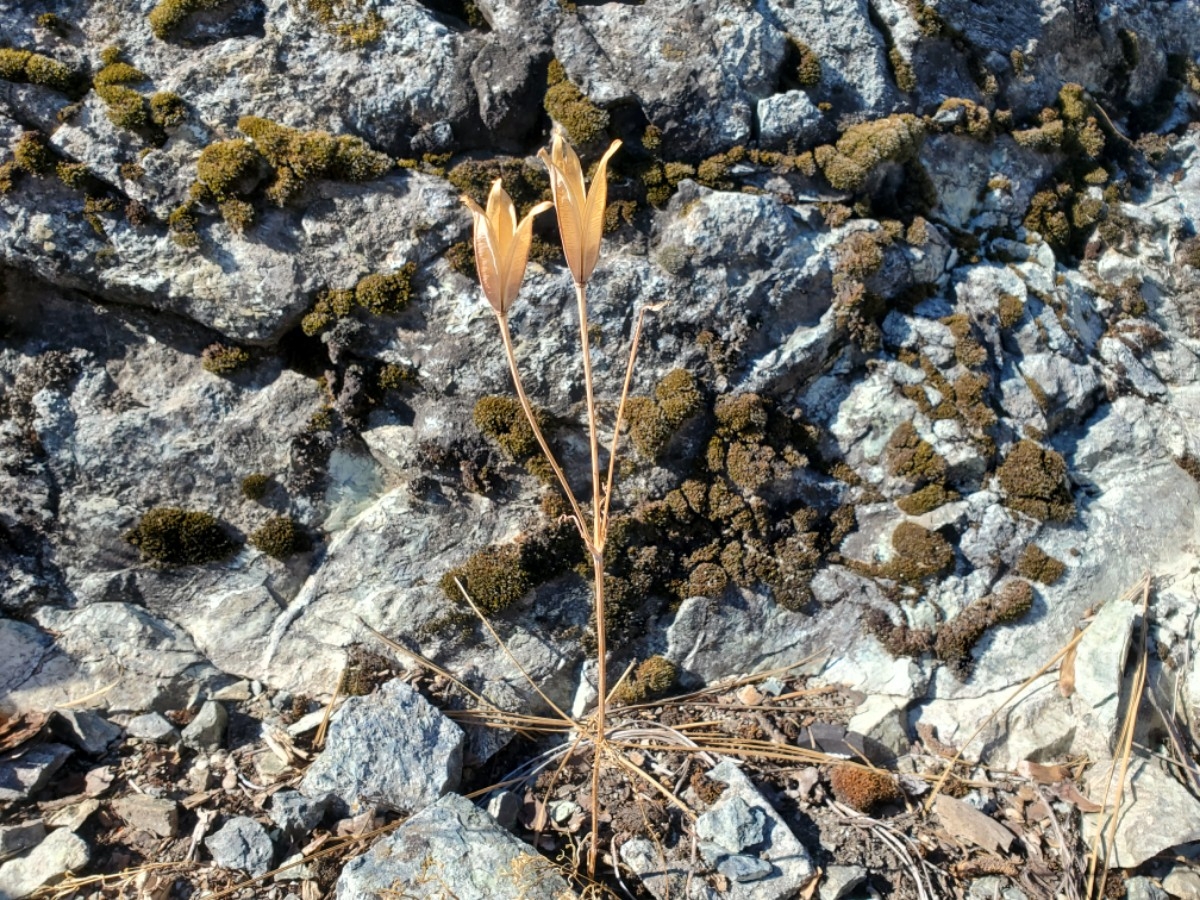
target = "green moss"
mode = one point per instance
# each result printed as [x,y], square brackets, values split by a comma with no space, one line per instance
[968,351]
[808,64]
[741,415]
[502,574]
[707,580]
[860,254]
[255,486]
[340,19]
[526,184]
[25,67]
[503,420]
[652,422]
[956,638]
[383,294]
[279,536]
[899,639]
[238,214]
[1010,310]
[1038,565]
[74,175]
[1048,216]
[461,258]
[926,499]
[32,154]
[583,121]
[393,377]
[168,16]
[330,306]
[52,22]
[919,554]
[848,163]
[178,537]
[299,157]
[677,396]
[167,109]
[902,71]
[909,456]
[1046,137]
[977,121]
[8,174]
[1034,480]
[652,678]
[221,359]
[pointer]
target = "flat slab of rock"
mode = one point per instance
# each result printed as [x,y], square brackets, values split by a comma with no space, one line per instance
[160,817]
[58,854]
[242,844]
[86,730]
[15,838]
[152,727]
[1157,812]
[742,837]
[452,849]
[29,772]
[391,750]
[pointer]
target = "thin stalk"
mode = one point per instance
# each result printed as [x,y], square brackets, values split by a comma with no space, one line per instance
[601,704]
[612,453]
[510,352]
[597,532]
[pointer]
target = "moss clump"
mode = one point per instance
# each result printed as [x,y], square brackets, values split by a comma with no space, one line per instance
[32,154]
[25,67]
[583,121]
[74,175]
[461,258]
[221,359]
[968,351]
[742,415]
[909,456]
[956,638]
[169,15]
[167,109]
[902,71]
[919,554]
[1038,565]
[8,173]
[394,377]
[1046,137]
[503,420]
[863,789]
[177,537]
[652,678]
[330,306]
[860,254]
[390,293]
[652,422]
[926,499]
[1048,215]
[1034,480]
[124,106]
[502,574]
[182,222]
[255,486]
[526,184]
[1010,310]
[352,31]
[976,121]
[707,580]
[848,163]
[808,64]
[229,168]
[279,537]
[298,157]
[899,639]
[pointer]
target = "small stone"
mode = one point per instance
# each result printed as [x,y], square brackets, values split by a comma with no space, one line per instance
[206,732]
[391,749]
[743,868]
[86,730]
[16,838]
[30,770]
[294,868]
[160,817]
[242,844]
[734,825]
[838,881]
[993,887]
[58,854]
[297,815]
[1143,888]
[1182,882]
[503,807]
[236,692]
[152,727]
[73,816]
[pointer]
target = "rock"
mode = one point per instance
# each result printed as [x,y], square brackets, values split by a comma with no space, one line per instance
[453,848]
[73,816]
[1100,666]
[16,838]
[27,771]
[785,117]
[86,730]
[243,844]
[295,814]
[838,881]
[206,732]
[1181,882]
[967,823]
[883,719]
[390,749]
[1142,888]
[59,853]
[503,807]
[777,866]
[152,727]
[734,826]
[1157,813]
[157,816]
[993,886]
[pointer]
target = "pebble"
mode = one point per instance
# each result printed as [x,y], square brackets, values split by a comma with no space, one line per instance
[152,727]
[160,817]
[206,732]
[242,844]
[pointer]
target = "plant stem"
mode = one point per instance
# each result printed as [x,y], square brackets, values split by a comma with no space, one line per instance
[597,524]
[537,431]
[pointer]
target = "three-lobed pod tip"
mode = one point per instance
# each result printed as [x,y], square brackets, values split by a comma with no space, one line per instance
[502,243]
